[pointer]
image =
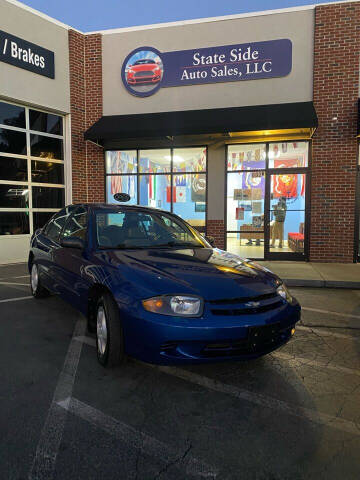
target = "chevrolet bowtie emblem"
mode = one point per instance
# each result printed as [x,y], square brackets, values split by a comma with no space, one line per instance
[252,304]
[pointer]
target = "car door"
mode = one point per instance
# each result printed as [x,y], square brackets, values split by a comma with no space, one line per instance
[70,263]
[46,244]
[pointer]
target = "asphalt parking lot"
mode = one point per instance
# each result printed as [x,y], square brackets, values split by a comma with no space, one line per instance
[294,414]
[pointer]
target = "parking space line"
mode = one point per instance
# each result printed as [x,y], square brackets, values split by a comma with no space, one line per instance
[15,299]
[12,278]
[263,400]
[14,283]
[326,333]
[138,440]
[50,438]
[315,363]
[85,339]
[329,312]
[253,397]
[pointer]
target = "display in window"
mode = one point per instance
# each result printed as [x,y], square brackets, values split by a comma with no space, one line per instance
[246,157]
[121,161]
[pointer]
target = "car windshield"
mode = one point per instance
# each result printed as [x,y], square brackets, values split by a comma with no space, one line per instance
[143,62]
[127,229]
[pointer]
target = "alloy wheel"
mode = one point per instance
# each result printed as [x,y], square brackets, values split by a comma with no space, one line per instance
[34,278]
[101,330]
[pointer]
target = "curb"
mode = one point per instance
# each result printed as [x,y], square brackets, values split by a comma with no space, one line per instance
[297,282]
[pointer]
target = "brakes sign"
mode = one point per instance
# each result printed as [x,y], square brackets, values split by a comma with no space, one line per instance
[29,56]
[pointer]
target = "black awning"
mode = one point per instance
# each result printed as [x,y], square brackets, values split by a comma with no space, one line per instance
[198,122]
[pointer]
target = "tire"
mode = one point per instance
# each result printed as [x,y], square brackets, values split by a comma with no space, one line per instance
[37,290]
[109,332]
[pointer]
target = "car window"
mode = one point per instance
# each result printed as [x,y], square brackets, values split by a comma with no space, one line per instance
[56,223]
[141,229]
[76,224]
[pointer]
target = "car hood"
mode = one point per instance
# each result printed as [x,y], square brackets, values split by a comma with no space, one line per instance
[145,67]
[208,272]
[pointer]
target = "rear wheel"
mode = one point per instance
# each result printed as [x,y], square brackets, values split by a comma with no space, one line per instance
[109,332]
[37,290]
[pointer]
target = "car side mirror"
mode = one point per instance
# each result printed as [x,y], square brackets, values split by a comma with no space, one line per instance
[72,242]
[211,240]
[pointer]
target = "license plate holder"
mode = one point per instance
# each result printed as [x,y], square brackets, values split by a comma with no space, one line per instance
[263,334]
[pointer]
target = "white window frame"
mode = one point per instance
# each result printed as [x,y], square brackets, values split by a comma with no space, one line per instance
[28,157]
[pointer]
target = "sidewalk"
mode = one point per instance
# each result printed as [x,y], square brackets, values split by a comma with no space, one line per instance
[307,274]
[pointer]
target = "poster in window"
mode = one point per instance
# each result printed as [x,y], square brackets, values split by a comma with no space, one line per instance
[200,207]
[257,221]
[257,208]
[198,188]
[285,185]
[242,194]
[239,213]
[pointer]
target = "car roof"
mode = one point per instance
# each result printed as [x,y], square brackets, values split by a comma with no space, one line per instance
[112,206]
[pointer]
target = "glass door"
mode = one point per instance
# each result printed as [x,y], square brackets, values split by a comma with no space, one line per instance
[286,215]
[246,200]
[266,200]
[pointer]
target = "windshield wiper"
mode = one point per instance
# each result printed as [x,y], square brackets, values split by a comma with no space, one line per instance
[172,243]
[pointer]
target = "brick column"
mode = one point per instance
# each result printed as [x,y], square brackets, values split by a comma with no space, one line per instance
[85,56]
[216,229]
[94,110]
[77,110]
[334,157]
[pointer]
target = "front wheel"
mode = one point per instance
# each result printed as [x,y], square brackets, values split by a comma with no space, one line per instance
[109,332]
[37,290]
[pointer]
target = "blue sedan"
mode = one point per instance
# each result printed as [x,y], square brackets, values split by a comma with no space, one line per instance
[153,288]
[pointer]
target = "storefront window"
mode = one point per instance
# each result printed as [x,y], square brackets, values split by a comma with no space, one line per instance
[155,191]
[246,157]
[121,161]
[31,191]
[189,160]
[170,179]
[154,161]
[288,155]
[121,183]
[189,199]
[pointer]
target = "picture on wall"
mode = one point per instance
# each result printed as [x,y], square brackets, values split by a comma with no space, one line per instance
[143,71]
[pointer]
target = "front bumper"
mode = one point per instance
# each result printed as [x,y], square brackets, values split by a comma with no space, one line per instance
[143,80]
[171,340]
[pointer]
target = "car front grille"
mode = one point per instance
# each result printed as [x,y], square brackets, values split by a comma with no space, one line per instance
[246,305]
[145,73]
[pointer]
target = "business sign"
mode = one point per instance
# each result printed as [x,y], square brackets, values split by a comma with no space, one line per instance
[145,69]
[26,55]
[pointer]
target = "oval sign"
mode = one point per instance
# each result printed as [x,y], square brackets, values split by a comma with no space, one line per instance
[122,197]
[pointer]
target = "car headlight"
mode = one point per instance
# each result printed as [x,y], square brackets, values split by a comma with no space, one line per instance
[175,305]
[284,293]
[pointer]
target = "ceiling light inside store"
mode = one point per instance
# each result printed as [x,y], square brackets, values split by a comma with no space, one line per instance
[176,158]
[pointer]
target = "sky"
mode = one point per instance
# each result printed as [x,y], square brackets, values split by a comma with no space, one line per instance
[91,15]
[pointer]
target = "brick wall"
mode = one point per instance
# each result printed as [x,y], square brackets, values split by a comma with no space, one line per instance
[216,229]
[86,107]
[334,156]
